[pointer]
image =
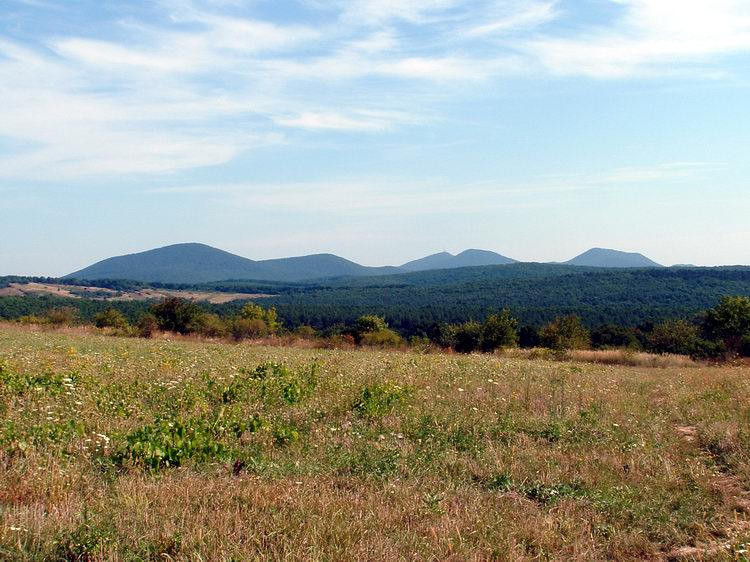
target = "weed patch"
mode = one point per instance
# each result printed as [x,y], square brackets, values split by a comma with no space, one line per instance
[377,400]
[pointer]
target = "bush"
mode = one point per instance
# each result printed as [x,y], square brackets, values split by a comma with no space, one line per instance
[467,337]
[111,318]
[677,337]
[378,399]
[248,328]
[176,315]
[528,337]
[499,330]
[729,322]
[609,337]
[564,333]
[306,332]
[269,317]
[62,316]
[209,325]
[368,325]
[147,325]
[381,338]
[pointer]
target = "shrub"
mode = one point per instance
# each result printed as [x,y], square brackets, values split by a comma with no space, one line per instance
[147,325]
[729,322]
[209,325]
[564,333]
[175,314]
[467,337]
[381,338]
[62,316]
[306,332]
[609,337]
[377,400]
[269,317]
[677,337]
[499,330]
[247,328]
[111,318]
[528,337]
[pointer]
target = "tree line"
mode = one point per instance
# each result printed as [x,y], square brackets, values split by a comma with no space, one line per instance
[719,332]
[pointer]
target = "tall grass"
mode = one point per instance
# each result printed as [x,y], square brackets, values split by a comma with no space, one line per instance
[129,449]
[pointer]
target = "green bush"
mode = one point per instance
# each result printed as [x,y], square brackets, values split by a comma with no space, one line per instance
[498,331]
[377,400]
[208,325]
[111,318]
[564,333]
[176,315]
[678,337]
[467,337]
[729,323]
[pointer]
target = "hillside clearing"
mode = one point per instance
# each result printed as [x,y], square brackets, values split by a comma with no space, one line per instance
[100,293]
[126,449]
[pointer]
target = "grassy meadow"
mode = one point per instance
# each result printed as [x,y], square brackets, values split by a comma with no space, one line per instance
[132,449]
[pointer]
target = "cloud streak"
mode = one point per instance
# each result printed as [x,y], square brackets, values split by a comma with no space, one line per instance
[200,82]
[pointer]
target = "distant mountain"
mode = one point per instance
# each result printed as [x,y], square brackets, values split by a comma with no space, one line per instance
[601,257]
[467,258]
[198,263]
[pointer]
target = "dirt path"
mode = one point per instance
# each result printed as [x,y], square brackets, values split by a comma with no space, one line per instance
[733,495]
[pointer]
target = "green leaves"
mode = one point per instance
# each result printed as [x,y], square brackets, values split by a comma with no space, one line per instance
[377,400]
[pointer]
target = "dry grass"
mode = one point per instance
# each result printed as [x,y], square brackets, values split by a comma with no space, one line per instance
[623,357]
[443,457]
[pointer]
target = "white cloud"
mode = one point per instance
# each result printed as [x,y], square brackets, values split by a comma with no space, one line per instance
[393,197]
[203,84]
[652,37]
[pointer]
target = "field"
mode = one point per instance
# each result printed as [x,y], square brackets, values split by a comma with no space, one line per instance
[100,293]
[127,449]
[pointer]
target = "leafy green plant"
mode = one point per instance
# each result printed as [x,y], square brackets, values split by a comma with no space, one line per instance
[18,383]
[169,443]
[377,400]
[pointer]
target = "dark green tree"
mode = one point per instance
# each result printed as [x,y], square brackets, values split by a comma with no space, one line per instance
[729,323]
[176,315]
[564,333]
[499,330]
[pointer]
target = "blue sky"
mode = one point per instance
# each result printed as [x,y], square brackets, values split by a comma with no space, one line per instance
[379,130]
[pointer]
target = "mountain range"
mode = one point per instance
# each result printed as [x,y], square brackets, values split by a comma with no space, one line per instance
[199,263]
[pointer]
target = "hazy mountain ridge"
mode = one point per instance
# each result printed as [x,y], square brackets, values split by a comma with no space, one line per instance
[199,263]
[603,257]
[467,258]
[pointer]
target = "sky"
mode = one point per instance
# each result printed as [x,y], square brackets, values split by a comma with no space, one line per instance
[378,130]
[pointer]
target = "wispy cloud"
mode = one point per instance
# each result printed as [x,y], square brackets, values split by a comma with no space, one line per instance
[650,37]
[201,81]
[392,197]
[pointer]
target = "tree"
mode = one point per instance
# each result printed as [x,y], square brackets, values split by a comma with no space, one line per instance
[468,337]
[564,333]
[677,337]
[252,311]
[176,315]
[374,331]
[111,318]
[147,325]
[368,324]
[499,330]
[729,322]
[610,336]
[62,316]
[209,325]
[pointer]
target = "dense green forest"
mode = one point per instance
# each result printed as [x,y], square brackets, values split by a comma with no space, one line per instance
[413,303]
